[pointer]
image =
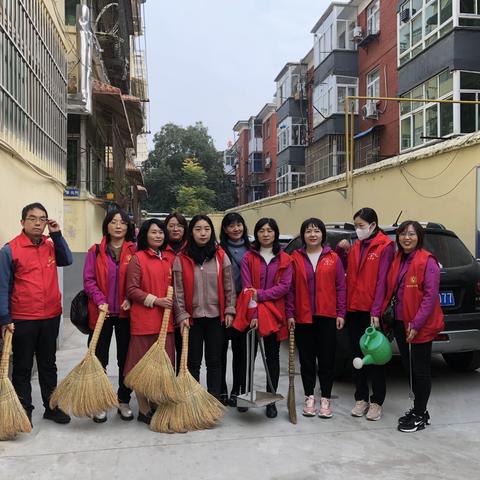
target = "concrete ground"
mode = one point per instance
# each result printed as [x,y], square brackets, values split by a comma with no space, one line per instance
[251,446]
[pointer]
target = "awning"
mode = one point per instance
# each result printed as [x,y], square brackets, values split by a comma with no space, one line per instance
[366,132]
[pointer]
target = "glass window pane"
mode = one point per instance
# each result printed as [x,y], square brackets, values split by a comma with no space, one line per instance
[431,18]
[431,89]
[416,6]
[470,81]
[417,30]
[467,114]
[405,107]
[445,83]
[404,37]
[417,93]
[418,128]
[341,34]
[446,119]
[467,6]
[445,10]
[405,133]
[341,99]
[470,22]
[431,121]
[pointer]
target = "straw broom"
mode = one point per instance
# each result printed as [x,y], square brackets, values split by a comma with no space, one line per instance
[86,390]
[292,412]
[198,409]
[153,376]
[13,418]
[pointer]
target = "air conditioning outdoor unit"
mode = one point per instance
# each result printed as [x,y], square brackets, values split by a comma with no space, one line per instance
[357,33]
[268,162]
[405,15]
[370,111]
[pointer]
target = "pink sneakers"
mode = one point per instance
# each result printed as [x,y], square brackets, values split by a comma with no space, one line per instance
[325,410]
[309,409]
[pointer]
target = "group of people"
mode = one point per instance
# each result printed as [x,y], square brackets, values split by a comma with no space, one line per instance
[222,289]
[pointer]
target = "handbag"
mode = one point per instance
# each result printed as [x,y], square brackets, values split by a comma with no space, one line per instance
[79,307]
[79,312]
[388,317]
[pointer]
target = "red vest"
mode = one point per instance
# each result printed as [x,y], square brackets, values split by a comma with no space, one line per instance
[362,277]
[170,253]
[155,279]
[101,273]
[188,281]
[325,287]
[35,293]
[253,261]
[413,294]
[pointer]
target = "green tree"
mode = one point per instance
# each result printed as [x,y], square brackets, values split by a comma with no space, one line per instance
[164,168]
[193,196]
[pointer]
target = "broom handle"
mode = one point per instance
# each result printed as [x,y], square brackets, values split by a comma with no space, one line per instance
[162,337]
[184,357]
[291,356]
[7,349]
[96,332]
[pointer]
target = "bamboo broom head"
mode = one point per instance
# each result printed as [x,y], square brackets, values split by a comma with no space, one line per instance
[292,410]
[197,411]
[86,390]
[153,376]
[13,418]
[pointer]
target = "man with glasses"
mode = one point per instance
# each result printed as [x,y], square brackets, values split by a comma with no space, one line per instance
[30,304]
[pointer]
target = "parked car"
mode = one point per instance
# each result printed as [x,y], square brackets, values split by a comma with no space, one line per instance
[459,343]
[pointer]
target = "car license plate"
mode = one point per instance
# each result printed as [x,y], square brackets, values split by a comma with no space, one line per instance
[447,299]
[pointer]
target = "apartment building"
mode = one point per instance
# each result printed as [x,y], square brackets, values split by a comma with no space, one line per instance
[334,77]
[33,110]
[241,146]
[267,176]
[376,38]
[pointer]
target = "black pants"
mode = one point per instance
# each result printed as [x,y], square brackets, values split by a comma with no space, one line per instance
[239,361]
[421,371]
[35,338]
[357,322]
[208,331]
[122,337]
[178,347]
[272,357]
[316,342]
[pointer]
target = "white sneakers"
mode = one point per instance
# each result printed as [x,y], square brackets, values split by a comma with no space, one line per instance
[373,411]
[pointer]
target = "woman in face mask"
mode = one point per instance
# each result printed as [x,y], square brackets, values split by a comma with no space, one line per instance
[368,262]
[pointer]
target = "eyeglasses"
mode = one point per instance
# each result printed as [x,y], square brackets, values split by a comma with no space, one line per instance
[175,227]
[407,234]
[37,219]
[114,223]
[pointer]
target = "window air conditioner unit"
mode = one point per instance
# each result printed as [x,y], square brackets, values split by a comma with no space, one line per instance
[268,162]
[358,33]
[370,111]
[405,15]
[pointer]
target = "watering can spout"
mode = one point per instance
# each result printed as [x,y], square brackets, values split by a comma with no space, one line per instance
[358,362]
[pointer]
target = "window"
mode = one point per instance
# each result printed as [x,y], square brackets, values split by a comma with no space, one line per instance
[425,22]
[255,163]
[469,9]
[422,122]
[373,17]
[325,159]
[373,84]
[469,113]
[289,177]
[71,12]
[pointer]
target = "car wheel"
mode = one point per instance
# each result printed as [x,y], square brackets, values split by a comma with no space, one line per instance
[463,361]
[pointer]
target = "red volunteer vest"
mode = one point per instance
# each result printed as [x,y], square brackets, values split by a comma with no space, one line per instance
[188,281]
[325,287]
[170,253]
[254,262]
[413,294]
[101,272]
[35,293]
[155,279]
[362,277]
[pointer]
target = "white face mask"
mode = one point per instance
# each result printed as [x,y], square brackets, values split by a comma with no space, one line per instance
[363,233]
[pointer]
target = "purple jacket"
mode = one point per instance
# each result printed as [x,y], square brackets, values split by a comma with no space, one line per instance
[91,287]
[269,291]
[431,284]
[340,283]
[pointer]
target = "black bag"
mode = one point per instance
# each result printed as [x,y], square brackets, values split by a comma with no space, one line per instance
[79,307]
[79,312]
[388,317]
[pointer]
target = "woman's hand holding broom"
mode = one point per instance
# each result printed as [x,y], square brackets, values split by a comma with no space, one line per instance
[228,320]
[291,324]
[164,302]
[10,327]
[254,323]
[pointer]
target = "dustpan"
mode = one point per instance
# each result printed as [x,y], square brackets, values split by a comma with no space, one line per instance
[254,398]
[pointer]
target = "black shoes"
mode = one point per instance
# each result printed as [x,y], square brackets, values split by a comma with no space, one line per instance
[56,415]
[232,402]
[271,411]
[411,422]
[223,399]
[145,418]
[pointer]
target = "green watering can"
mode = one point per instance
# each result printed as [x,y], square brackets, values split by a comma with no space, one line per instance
[376,348]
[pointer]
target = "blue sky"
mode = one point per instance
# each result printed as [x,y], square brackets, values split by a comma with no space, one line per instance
[216,60]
